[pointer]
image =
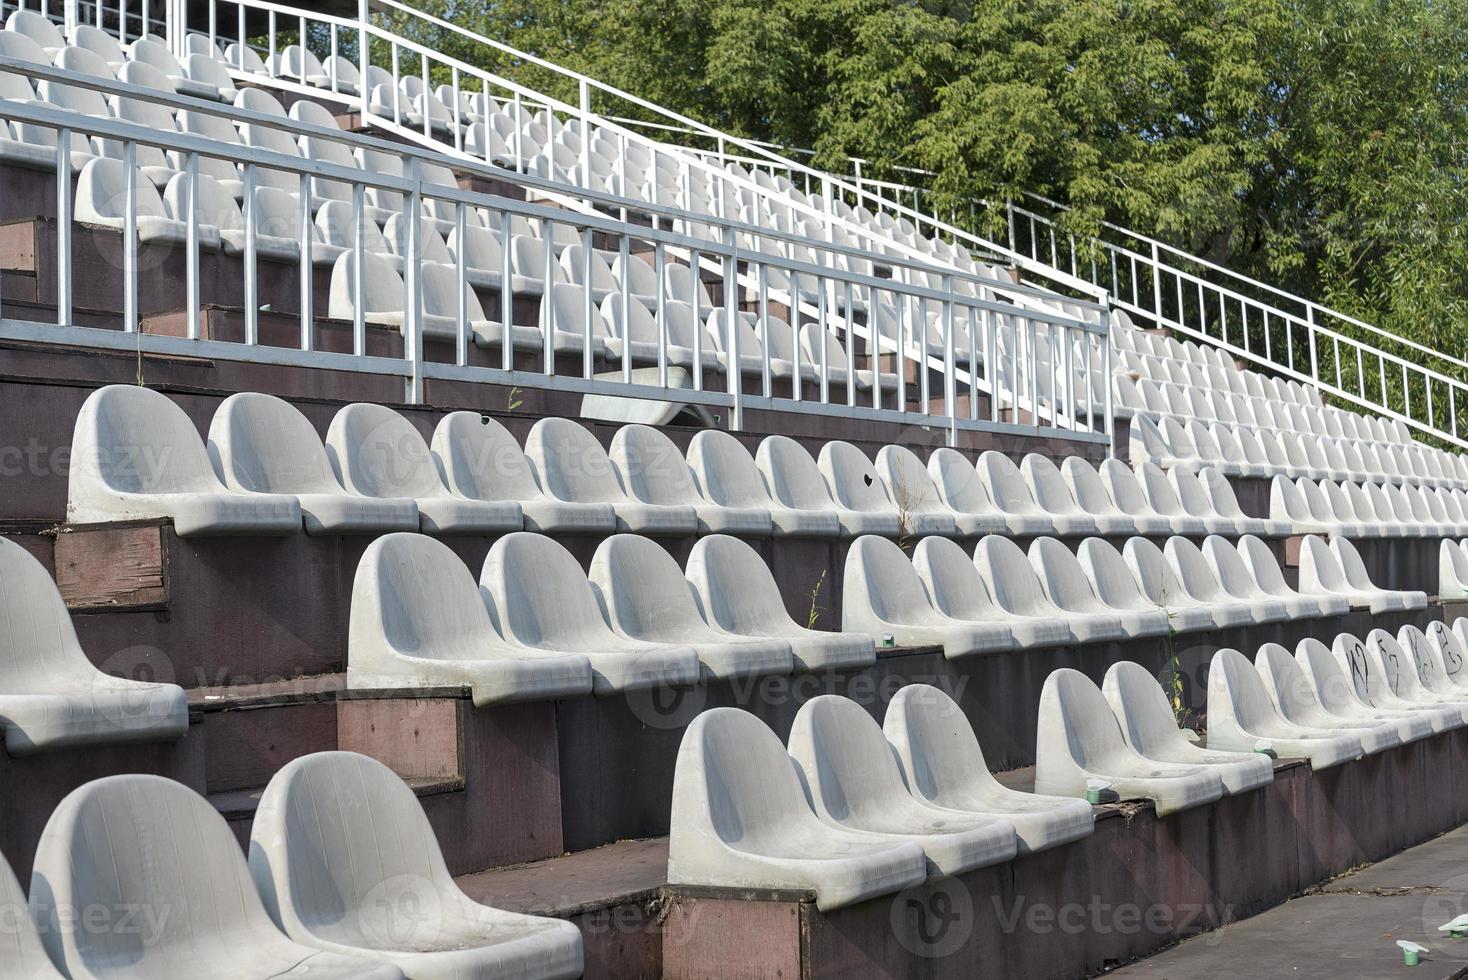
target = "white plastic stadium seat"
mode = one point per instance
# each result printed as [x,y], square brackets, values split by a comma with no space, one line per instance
[262,444]
[882,596]
[1079,743]
[571,466]
[727,475]
[375,452]
[741,819]
[957,589]
[653,471]
[136,456]
[328,809]
[418,621]
[1293,694]
[151,842]
[539,597]
[646,598]
[943,765]
[854,783]
[1150,727]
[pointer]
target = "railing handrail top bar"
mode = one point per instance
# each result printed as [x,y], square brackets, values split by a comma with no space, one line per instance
[1071,281]
[1277,291]
[112,128]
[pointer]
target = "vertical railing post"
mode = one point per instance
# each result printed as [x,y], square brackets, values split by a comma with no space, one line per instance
[1156,287]
[307,314]
[130,241]
[363,59]
[252,284]
[191,251]
[584,90]
[413,283]
[63,226]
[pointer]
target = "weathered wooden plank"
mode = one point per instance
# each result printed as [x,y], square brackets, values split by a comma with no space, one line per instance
[112,567]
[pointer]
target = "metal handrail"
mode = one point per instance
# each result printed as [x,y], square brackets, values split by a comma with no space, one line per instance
[1064,332]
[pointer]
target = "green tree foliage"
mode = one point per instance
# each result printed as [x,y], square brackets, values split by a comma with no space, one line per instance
[1318,144]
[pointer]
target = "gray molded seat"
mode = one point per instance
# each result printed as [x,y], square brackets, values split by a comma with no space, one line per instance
[957,589]
[341,851]
[653,471]
[647,599]
[853,782]
[727,475]
[418,620]
[1129,497]
[883,595]
[1161,494]
[1264,567]
[1053,494]
[1236,580]
[149,846]
[960,487]
[1196,576]
[478,459]
[1079,741]
[1241,716]
[1450,652]
[1294,696]
[740,819]
[375,452]
[1089,491]
[1321,574]
[262,444]
[1354,570]
[909,481]
[1114,584]
[1064,580]
[795,481]
[571,466]
[1197,501]
[858,489]
[1150,727]
[1014,585]
[135,455]
[736,592]
[1221,497]
[539,597]
[1452,570]
[51,696]
[1425,656]
[1371,685]
[1346,695]
[1159,584]
[1399,672]
[21,954]
[944,766]
[1007,488]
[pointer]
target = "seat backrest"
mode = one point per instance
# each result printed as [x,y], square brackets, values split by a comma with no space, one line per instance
[1396,665]
[264,444]
[143,843]
[952,580]
[1010,578]
[39,649]
[569,464]
[35,26]
[642,588]
[1228,566]
[1141,707]
[540,596]
[1108,574]
[908,483]
[333,810]
[1047,485]
[1061,575]
[853,480]
[478,458]
[136,440]
[1231,675]
[1005,484]
[335,223]
[791,475]
[1089,728]
[1361,668]
[1192,570]
[376,452]
[413,594]
[848,766]
[958,482]
[724,471]
[882,576]
[735,587]
[650,467]
[154,52]
[1086,487]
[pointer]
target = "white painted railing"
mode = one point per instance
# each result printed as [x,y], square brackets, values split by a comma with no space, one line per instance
[1040,364]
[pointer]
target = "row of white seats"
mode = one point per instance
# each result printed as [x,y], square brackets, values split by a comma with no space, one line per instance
[264,470]
[1242,450]
[1329,705]
[1368,510]
[850,809]
[1159,359]
[537,627]
[1004,598]
[169,895]
[1161,399]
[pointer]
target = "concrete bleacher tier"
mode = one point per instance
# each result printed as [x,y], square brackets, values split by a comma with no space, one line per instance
[489,684]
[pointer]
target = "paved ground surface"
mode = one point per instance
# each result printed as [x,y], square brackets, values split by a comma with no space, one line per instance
[1346,929]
